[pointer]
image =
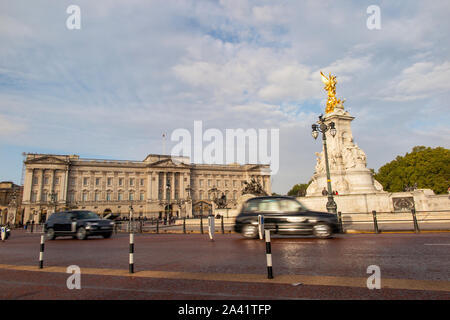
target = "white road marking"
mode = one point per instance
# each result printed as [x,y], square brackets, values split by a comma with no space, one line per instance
[437,244]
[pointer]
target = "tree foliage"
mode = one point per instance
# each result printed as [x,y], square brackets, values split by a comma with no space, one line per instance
[299,190]
[427,168]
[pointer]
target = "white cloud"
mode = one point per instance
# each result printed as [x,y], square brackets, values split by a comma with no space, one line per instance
[419,81]
[10,126]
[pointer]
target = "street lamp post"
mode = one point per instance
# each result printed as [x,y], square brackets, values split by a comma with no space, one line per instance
[169,209]
[52,197]
[130,216]
[188,198]
[13,204]
[323,128]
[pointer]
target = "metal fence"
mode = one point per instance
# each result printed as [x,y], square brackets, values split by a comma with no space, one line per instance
[178,225]
[374,221]
[378,222]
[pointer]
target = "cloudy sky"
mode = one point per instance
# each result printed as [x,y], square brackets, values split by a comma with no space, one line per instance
[137,69]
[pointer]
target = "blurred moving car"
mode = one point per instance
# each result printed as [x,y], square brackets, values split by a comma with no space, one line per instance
[79,224]
[284,215]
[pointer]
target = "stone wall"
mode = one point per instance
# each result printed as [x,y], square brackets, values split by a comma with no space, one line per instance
[423,199]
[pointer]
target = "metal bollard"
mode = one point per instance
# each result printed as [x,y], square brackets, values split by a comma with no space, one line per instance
[32,226]
[416,225]
[41,253]
[157,226]
[375,222]
[184,225]
[221,225]
[3,232]
[269,255]
[201,224]
[131,263]
[341,227]
[261,226]
[211,227]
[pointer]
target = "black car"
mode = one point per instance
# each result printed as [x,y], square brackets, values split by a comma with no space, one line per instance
[79,224]
[284,215]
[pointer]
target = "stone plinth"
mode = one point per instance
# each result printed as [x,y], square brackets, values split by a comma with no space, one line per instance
[347,162]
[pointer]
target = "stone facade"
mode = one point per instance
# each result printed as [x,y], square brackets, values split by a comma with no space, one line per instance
[390,202]
[10,202]
[111,186]
[347,162]
[358,191]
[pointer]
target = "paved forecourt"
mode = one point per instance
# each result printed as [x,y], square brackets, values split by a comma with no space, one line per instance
[412,264]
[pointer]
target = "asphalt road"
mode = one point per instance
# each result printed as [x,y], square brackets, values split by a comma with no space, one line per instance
[177,266]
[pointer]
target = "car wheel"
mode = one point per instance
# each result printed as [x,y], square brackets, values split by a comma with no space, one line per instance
[81,233]
[250,232]
[107,235]
[322,230]
[50,234]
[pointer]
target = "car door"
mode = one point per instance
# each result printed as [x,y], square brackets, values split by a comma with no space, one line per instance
[270,209]
[293,217]
[58,222]
[66,222]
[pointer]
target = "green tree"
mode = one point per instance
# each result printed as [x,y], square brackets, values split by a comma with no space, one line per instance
[299,190]
[427,168]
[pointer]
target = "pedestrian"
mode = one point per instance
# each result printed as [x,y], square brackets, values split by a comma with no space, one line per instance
[324,191]
[337,193]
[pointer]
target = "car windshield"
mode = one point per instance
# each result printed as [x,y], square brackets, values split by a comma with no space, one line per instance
[87,215]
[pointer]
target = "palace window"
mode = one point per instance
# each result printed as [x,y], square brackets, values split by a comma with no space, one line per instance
[97,196]
[85,196]
[45,180]
[108,196]
[120,181]
[131,196]
[85,181]
[35,180]
[71,197]
[33,197]
[142,181]
[120,196]
[56,181]
[97,181]
[141,196]
[109,181]
[131,181]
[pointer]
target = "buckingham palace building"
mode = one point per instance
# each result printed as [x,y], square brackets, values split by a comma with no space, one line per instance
[154,186]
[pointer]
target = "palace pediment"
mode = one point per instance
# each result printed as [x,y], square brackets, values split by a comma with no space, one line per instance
[169,163]
[46,160]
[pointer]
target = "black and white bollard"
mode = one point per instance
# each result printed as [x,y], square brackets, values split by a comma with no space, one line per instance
[269,255]
[41,252]
[211,227]
[3,233]
[131,269]
[261,226]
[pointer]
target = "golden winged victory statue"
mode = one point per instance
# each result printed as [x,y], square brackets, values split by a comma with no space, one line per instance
[330,87]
